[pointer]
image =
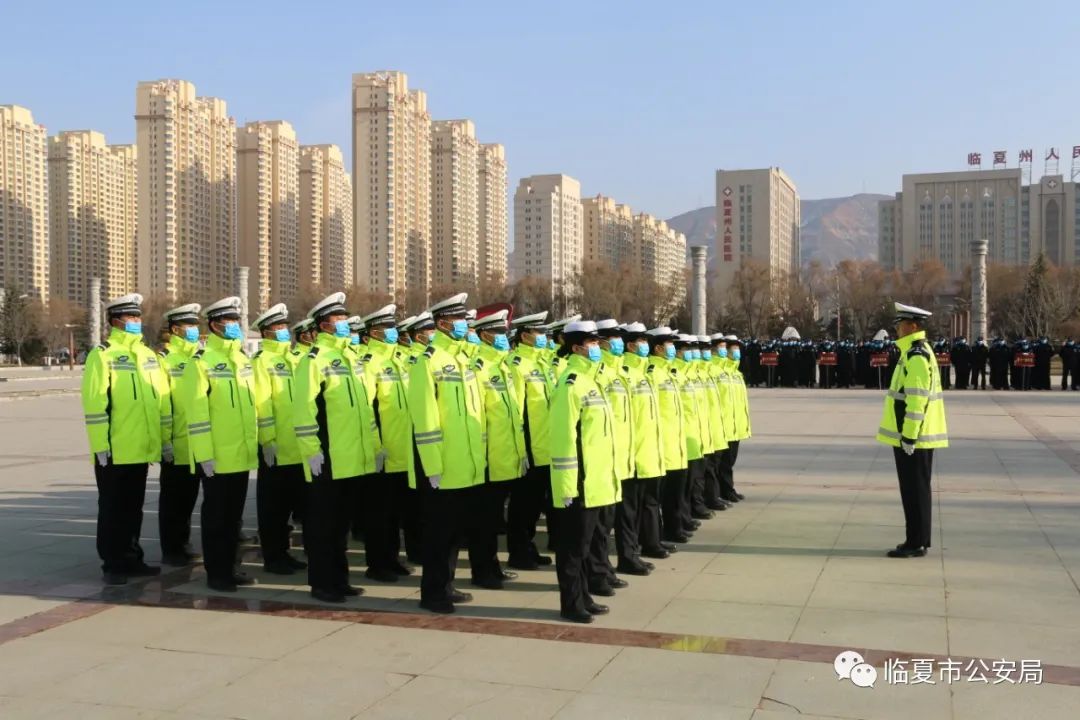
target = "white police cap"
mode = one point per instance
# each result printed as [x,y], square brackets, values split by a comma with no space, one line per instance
[126,305]
[423,321]
[453,305]
[356,323]
[303,326]
[330,305]
[382,316]
[492,321]
[224,308]
[559,325]
[586,327]
[530,321]
[184,314]
[277,314]
[661,332]
[635,328]
[910,312]
[607,324]
[718,337]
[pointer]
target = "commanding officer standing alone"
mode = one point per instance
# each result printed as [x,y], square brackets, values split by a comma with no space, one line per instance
[913,423]
[125,404]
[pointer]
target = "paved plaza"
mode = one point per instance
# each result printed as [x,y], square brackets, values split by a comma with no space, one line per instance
[745,622]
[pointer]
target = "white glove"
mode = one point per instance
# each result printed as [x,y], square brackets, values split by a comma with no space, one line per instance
[524,466]
[434,480]
[207,467]
[167,453]
[315,462]
[380,460]
[103,458]
[908,448]
[269,452]
[567,502]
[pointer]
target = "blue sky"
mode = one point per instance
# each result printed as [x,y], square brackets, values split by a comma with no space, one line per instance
[640,101]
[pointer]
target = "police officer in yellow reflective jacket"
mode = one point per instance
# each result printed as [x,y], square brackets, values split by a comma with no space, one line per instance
[280,479]
[448,429]
[218,386]
[303,333]
[179,488]
[633,535]
[698,433]
[126,408]
[531,495]
[506,457]
[385,493]
[583,475]
[913,424]
[673,424]
[339,443]
[707,373]
[740,415]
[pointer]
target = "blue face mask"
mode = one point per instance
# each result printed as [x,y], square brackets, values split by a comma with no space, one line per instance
[736,355]
[697,354]
[472,337]
[354,338]
[687,355]
[616,346]
[706,354]
[460,329]
[541,342]
[669,352]
[282,335]
[231,331]
[191,333]
[722,353]
[642,349]
[133,326]
[594,353]
[501,342]
[341,329]
[390,336]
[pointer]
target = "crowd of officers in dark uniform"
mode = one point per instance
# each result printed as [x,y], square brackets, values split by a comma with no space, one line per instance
[441,430]
[1022,364]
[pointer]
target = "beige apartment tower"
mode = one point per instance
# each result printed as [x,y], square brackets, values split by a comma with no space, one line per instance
[391,185]
[608,231]
[757,216]
[455,207]
[548,229]
[187,192]
[494,226]
[93,213]
[268,211]
[24,198]
[325,247]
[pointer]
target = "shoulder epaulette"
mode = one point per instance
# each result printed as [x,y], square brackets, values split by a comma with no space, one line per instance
[570,378]
[429,352]
[412,359]
[479,363]
[366,358]
[314,351]
[199,353]
[918,350]
[257,354]
[163,351]
[516,360]
[650,368]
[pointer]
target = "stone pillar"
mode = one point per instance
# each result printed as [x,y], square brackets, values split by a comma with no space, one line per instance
[699,257]
[95,311]
[242,293]
[978,289]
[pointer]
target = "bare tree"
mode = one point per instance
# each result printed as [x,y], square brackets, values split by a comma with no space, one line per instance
[20,318]
[750,296]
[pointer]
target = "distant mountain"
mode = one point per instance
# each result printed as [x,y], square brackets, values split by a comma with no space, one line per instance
[833,229]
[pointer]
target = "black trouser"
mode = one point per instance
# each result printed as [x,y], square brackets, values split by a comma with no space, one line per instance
[913,471]
[727,468]
[673,503]
[649,533]
[275,488]
[712,479]
[597,562]
[696,486]
[224,495]
[528,497]
[179,489]
[330,504]
[379,497]
[121,491]
[628,520]
[408,504]
[442,513]
[482,520]
[574,529]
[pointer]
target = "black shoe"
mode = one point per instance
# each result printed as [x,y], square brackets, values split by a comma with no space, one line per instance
[909,552]
[243,579]
[543,560]
[457,596]
[226,585]
[693,525]
[190,551]
[176,559]
[678,538]
[617,583]
[718,506]
[739,496]
[602,590]
[241,538]
[400,570]
[703,514]
[658,554]
[578,617]
[670,547]
[295,563]
[142,570]
[731,497]
[487,583]
[647,564]
[114,578]
[381,575]
[279,567]
[442,607]
[508,575]
[597,609]
[350,591]
[523,564]
[635,569]
[327,596]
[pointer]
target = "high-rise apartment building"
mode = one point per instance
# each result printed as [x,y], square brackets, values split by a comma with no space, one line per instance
[609,231]
[187,191]
[93,215]
[494,226]
[757,216]
[325,247]
[391,184]
[937,215]
[548,229]
[24,197]
[455,208]
[268,211]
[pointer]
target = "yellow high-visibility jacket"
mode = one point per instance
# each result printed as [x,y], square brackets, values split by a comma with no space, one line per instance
[275,398]
[645,411]
[914,405]
[533,388]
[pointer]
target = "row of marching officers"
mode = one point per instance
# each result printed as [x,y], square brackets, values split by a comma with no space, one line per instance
[444,430]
